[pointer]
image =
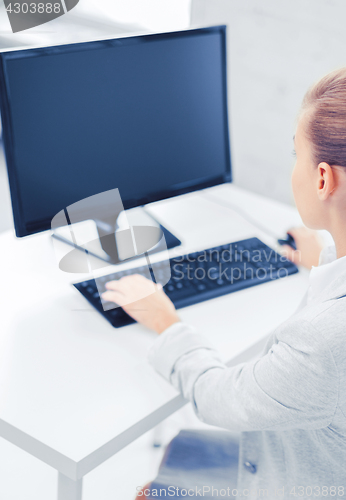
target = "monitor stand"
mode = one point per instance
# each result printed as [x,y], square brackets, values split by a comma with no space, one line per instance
[98,236]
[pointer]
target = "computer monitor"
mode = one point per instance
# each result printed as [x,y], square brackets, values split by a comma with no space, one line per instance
[144,114]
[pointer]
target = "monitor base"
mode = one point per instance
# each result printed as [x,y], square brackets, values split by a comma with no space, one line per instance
[98,237]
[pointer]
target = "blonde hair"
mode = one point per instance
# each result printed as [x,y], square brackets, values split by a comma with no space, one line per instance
[324,107]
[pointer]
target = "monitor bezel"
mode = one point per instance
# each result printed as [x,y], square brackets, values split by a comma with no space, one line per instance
[26,228]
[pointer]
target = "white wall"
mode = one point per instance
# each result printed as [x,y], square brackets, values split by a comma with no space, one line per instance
[277,49]
[155,15]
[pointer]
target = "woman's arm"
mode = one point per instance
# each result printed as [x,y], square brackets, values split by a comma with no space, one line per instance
[293,385]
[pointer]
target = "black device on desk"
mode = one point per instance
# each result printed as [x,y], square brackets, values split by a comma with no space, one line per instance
[289,240]
[146,115]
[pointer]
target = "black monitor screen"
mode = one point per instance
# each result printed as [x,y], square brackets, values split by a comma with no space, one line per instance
[145,114]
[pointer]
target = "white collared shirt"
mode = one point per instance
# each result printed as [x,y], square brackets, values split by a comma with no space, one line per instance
[328,270]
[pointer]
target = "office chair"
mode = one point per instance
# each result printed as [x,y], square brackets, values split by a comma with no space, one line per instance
[195,459]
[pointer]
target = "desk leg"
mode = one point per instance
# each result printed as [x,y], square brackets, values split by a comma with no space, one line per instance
[69,489]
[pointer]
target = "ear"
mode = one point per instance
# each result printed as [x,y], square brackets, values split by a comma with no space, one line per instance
[326,181]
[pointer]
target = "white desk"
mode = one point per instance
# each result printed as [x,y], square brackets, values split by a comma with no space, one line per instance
[73,390]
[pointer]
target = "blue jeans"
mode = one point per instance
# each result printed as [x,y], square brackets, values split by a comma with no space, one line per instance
[198,464]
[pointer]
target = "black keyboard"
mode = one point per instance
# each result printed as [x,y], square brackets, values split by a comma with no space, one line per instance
[200,276]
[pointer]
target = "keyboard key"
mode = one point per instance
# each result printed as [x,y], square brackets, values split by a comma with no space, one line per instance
[107,306]
[250,273]
[214,274]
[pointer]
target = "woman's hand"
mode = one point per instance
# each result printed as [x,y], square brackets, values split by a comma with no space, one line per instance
[143,300]
[309,246]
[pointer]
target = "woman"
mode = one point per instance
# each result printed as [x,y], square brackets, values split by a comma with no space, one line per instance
[289,404]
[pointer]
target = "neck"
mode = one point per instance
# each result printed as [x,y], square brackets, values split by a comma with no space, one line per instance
[340,250]
[337,213]
[339,237]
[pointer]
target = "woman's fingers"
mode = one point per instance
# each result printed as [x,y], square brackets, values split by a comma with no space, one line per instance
[115,285]
[113,297]
[296,231]
[309,245]
[291,254]
[136,295]
[130,289]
